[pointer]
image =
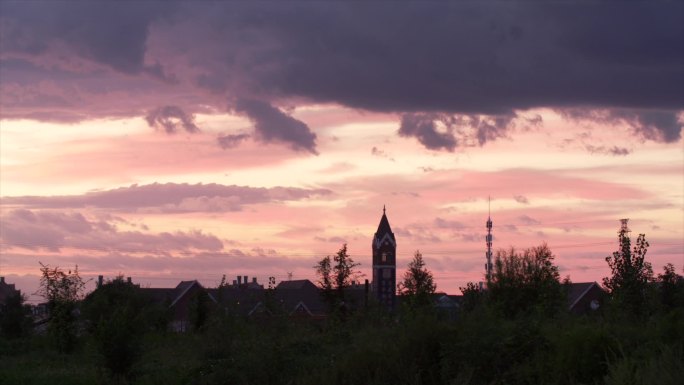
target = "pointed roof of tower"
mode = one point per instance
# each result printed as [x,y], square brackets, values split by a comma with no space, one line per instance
[384,226]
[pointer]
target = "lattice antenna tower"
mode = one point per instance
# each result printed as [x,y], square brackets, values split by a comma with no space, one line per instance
[488,254]
[623,226]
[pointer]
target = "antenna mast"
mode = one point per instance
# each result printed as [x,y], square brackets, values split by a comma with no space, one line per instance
[488,255]
[623,226]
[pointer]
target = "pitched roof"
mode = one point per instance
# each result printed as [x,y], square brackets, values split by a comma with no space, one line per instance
[577,291]
[171,296]
[298,284]
[6,290]
[384,226]
[181,289]
[290,294]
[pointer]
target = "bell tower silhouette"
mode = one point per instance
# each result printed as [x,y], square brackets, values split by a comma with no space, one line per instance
[385,264]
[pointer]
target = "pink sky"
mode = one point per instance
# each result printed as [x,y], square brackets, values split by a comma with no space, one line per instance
[192,146]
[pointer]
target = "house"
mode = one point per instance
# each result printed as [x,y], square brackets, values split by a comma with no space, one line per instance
[6,291]
[300,299]
[179,301]
[585,297]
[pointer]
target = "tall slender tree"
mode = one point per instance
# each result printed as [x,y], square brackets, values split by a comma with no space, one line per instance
[62,290]
[336,274]
[630,274]
[418,283]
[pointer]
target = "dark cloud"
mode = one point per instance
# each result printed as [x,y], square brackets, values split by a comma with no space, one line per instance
[447,224]
[337,240]
[657,125]
[273,125]
[614,150]
[380,153]
[171,119]
[108,33]
[521,199]
[170,197]
[444,131]
[230,141]
[511,228]
[486,59]
[417,233]
[423,128]
[527,220]
[30,229]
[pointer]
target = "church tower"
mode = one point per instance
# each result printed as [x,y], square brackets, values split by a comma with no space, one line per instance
[385,264]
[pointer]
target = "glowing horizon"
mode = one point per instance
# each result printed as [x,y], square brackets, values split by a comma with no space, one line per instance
[207,139]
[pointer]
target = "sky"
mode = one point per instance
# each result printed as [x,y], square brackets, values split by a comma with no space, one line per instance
[172,141]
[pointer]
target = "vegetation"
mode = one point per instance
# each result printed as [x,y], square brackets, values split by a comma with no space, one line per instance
[418,284]
[631,275]
[336,275]
[62,290]
[14,318]
[499,337]
[117,317]
[526,282]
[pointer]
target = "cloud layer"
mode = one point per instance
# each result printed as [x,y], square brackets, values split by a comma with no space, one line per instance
[169,198]
[30,229]
[472,59]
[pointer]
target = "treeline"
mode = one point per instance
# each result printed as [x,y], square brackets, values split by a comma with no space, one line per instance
[518,331]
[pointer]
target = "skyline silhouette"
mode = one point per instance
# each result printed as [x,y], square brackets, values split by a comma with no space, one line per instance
[197,140]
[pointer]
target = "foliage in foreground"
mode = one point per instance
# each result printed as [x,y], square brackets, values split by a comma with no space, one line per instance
[491,342]
[481,347]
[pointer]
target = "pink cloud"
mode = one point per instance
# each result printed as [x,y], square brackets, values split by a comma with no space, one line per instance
[133,157]
[54,231]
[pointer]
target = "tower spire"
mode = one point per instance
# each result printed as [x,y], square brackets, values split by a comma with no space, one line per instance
[384,248]
[488,239]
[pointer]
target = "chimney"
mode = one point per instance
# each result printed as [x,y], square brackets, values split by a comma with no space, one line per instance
[234,283]
[245,281]
[254,280]
[129,280]
[239,280]
[99,280]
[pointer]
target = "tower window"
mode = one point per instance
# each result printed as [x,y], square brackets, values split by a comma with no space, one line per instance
[384,257]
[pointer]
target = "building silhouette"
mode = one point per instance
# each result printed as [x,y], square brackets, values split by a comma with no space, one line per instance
[385,264]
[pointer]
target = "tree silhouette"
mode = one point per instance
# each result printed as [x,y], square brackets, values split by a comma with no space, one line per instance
[14,317]
[62,290]
[671,288]
[525,281]
[336,274]
[118,316]
[418,284]
[630,274]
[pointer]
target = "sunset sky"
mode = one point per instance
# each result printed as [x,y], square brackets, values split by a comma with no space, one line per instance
[175,141]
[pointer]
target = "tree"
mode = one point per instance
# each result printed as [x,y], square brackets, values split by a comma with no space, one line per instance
[630,274]
[118,315]
[199,310]
[325,280]
[62,291]
[334,278]
[343,271]
[418,284]
[473,296]
[526,281]
[14,317]
[671,288]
